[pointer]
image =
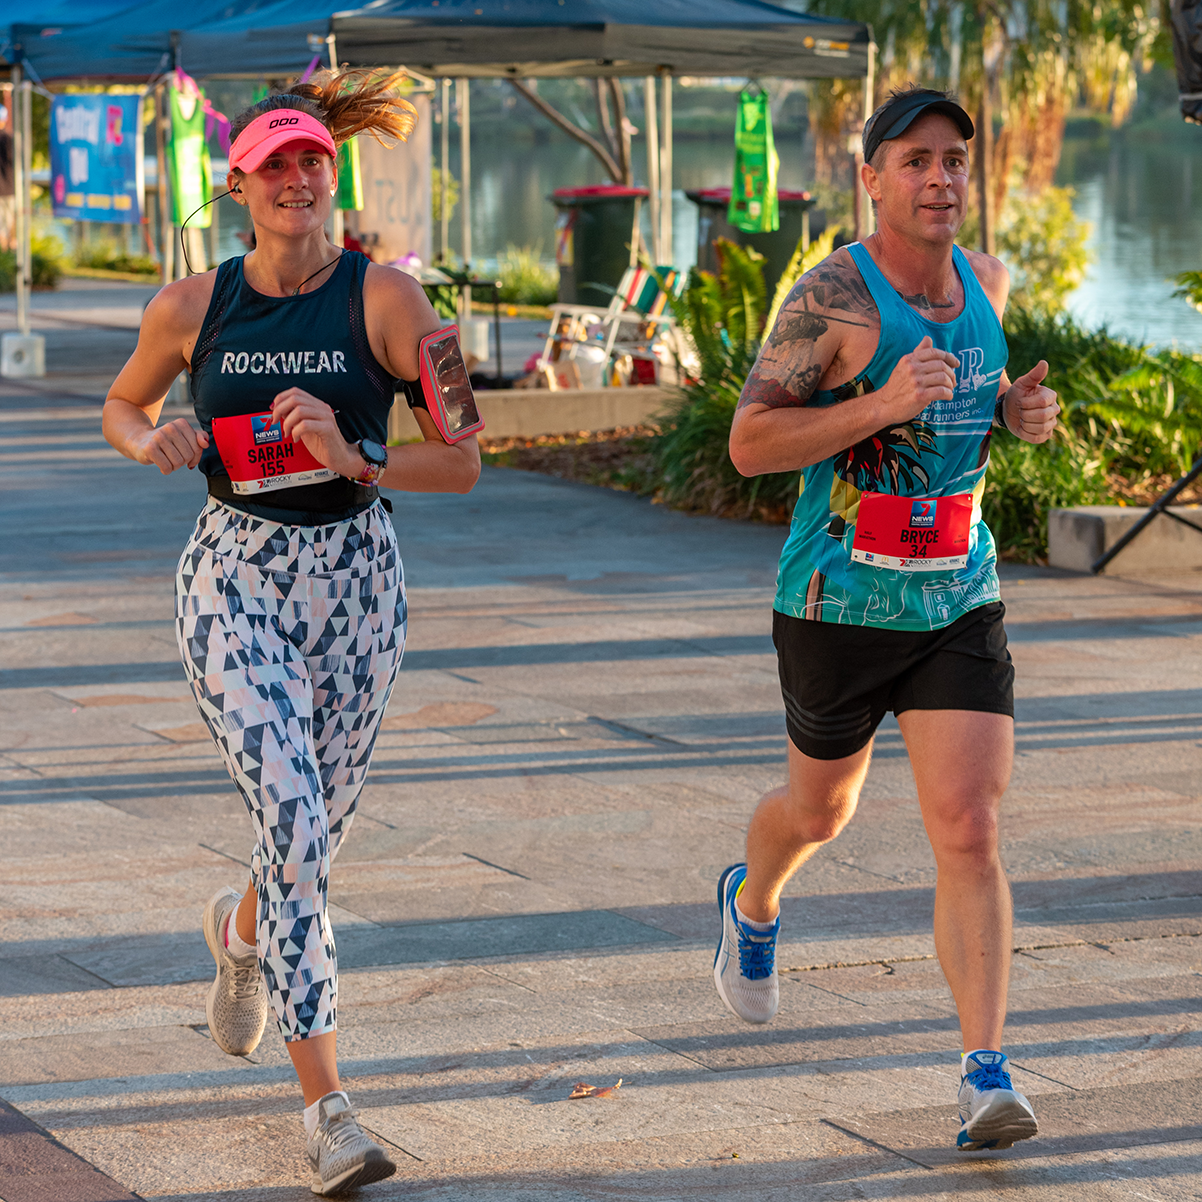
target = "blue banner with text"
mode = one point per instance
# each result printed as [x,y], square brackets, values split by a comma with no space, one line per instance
[96,158]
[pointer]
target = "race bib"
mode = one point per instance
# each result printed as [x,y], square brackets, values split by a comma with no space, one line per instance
[259,458]
[912,534]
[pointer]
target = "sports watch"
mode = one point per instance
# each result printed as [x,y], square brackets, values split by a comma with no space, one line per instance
[376,458]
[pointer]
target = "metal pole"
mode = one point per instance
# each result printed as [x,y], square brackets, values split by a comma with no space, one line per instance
[445,245]
[26,192]
[166,228]
[869,89]
[465,183]
[21,231]
[1161,506]
[337,222]
[651,121]
[665,176]
[215,228]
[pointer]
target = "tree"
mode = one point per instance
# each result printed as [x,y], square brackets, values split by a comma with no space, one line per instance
[612,144]
[1024,62]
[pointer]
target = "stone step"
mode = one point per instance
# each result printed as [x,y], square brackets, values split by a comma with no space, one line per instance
[1077,537]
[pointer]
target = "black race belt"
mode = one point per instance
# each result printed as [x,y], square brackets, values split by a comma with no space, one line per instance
[329,501]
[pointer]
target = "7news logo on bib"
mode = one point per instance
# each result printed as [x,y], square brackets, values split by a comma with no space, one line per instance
[922,514]
[265,429]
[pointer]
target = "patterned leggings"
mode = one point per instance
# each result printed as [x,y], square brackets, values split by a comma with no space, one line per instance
[291,638]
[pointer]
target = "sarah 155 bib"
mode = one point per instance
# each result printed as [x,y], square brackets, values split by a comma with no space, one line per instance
[260,458]
[912,534]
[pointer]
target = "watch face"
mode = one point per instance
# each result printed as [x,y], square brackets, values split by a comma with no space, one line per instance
[373,452]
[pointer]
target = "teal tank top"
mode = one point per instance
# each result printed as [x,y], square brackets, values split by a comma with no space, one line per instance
[943,452]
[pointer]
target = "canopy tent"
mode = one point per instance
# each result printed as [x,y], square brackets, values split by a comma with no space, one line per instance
[59,12]
[126,45]
[464,39]
[457,38]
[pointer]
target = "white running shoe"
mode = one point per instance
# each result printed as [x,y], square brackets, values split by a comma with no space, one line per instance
[745,962]
[342,1154]
[236,1006]
[993,1114]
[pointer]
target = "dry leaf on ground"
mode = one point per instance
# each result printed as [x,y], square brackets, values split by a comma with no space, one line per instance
[583,1090]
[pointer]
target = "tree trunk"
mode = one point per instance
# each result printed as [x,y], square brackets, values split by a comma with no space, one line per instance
[601,95]
[984,163]
[623,129]
[608,161]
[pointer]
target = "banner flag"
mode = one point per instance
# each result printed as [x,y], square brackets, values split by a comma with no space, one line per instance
[753,205]
[96,158]
[188,163]
[350,177]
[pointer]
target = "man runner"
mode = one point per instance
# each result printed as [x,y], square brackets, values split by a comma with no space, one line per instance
[883,378]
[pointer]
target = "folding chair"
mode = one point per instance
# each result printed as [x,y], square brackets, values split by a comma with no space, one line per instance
[645,305]
[638,301]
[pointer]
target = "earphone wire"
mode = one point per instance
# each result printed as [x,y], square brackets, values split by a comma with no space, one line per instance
[183,242]
[296,290]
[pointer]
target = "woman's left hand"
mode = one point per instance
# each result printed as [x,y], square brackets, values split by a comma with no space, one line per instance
[305,419]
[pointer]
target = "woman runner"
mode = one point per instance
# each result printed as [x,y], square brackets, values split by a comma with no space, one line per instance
[290,604]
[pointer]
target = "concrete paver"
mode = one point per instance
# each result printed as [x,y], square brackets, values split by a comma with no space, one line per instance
[587,711]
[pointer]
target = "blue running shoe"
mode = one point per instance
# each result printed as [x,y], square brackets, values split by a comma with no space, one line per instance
[993,1114]
[745,963]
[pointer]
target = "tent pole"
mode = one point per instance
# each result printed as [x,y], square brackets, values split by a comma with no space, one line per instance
[20,98]
[26,193]
[465,183]
[869,219]
[651,121]
[337,222]
[445,208]
[665,176]
[166,228]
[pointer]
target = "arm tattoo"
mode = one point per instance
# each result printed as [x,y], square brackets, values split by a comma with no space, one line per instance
[761,391]
[788,369]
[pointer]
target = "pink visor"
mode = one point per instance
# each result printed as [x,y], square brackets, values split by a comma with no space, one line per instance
[273,129]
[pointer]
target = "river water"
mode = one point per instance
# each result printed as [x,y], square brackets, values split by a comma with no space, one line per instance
[1136,191]
[1138,195]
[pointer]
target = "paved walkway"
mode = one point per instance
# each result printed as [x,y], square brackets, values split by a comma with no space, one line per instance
[587,712]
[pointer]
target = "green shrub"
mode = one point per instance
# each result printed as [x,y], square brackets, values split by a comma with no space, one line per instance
[1026,482]
[722,317]
[1042,242]
[107,256]
[46,267]
[525,278]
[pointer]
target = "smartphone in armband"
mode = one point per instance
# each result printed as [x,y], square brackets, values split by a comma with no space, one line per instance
[446,387]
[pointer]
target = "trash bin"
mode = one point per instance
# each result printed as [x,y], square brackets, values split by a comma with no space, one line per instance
[776,247]
[592,239]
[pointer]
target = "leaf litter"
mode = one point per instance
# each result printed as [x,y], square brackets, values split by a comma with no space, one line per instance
[583,1090]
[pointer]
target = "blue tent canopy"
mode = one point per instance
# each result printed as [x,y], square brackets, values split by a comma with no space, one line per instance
[128,42]
[463,38]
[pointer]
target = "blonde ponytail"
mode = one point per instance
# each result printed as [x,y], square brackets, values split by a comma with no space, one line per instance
[346,103]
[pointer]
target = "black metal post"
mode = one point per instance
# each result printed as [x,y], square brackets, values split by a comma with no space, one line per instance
[1160,506]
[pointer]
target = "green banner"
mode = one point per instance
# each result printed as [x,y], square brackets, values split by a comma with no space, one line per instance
[188,164]
[350,178]
[753,207]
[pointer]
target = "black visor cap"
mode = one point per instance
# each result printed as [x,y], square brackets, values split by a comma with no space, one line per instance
[894,121]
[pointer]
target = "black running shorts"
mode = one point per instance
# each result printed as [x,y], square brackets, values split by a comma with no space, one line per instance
[839,680]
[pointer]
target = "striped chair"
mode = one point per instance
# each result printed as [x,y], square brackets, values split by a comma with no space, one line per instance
[639,308]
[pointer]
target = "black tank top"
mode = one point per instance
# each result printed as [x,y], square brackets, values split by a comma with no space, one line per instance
[252,347]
